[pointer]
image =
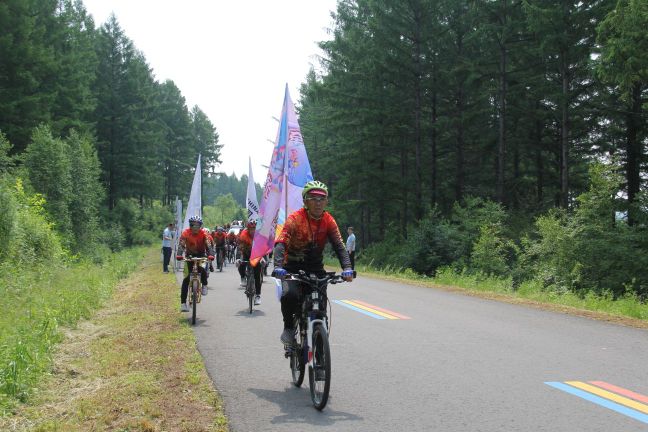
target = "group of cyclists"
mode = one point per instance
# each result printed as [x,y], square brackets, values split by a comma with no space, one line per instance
[300,246]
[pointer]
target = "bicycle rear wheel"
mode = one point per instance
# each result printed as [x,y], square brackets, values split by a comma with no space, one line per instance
[194,300]
[319,375]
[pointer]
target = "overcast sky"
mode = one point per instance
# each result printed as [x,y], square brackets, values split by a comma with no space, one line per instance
[231,58]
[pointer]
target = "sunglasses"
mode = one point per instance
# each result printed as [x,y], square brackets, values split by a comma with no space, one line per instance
[194,225]
[316,199]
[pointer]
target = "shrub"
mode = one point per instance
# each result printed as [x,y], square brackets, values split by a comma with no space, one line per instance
[492,254]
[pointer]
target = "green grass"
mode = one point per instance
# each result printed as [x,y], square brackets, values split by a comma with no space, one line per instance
[133,366]
[35,301]
[628,306]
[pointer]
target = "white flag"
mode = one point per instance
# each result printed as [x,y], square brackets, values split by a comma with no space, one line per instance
[195,203]
[251,199]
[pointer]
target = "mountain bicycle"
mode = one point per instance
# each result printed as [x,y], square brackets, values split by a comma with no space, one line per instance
[195,292]
[311,347]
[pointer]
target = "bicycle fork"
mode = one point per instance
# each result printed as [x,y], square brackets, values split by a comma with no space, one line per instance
[309,337]
[312,322]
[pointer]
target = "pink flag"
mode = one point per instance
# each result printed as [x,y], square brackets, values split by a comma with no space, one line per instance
[289,171]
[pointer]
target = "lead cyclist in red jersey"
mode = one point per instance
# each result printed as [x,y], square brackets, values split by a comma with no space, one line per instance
[300,246]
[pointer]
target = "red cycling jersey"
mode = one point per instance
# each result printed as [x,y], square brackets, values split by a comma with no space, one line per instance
[304,239]
[245,243]
[219,238]
[198,243]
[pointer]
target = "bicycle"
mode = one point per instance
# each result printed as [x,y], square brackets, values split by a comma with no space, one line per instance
[312,347]
[195,292]
[250,288]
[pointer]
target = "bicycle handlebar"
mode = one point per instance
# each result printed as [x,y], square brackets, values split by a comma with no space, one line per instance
[302,276]
[195,259]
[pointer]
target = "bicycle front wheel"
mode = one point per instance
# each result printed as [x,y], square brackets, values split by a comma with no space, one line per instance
[319,375]
[195,286]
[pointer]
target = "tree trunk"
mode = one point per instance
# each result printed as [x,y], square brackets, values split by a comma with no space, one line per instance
[564,134]
[418,208]
[539,162]
[459,148]
[633,152]
[433,141]
[501,140]
[404,188]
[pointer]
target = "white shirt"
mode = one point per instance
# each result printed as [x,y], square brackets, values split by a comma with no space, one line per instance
[166,237]
[350,243]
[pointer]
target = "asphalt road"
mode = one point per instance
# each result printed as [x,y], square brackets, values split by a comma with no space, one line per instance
[459,363]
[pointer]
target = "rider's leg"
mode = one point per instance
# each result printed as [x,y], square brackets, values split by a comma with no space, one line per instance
[257,279]
[289,307]
[203,275]
[289,302]
[241,269]
[185,284]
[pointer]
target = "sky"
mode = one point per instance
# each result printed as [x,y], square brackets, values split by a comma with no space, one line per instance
[231,58]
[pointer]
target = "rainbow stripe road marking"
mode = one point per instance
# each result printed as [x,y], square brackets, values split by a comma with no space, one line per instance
[371,310]
[616,398]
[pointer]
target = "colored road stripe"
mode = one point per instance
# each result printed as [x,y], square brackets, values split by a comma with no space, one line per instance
[609,395]
[357,309]
[370,309]
[621,391]
[381,309]
[600,401]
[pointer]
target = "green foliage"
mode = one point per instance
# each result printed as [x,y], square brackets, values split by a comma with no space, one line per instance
[6,160]
[433,244]
[590,251]
[437,241]
[8,209]
[47,162]
[624,41]
[224,210]
[88,192]
[26,233]
[131,224]
[492,254]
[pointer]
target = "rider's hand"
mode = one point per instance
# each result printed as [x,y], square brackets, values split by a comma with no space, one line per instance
[347,275]
[179,257]
[210,257]
[279,272]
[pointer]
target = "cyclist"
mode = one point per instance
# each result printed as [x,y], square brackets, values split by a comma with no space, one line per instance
[245,238]
[194,241]
[231,240]
[300,246]
[218,237]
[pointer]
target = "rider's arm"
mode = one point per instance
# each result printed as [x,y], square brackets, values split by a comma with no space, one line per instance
[181,246]
[278,254]
[282,242]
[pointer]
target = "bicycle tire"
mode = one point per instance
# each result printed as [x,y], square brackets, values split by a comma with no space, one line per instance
[194,297]
[250,290]
[219,264]
[297,365]
[319,375]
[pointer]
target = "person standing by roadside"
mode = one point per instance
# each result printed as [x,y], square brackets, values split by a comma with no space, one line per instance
[167,238]
[350,246]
